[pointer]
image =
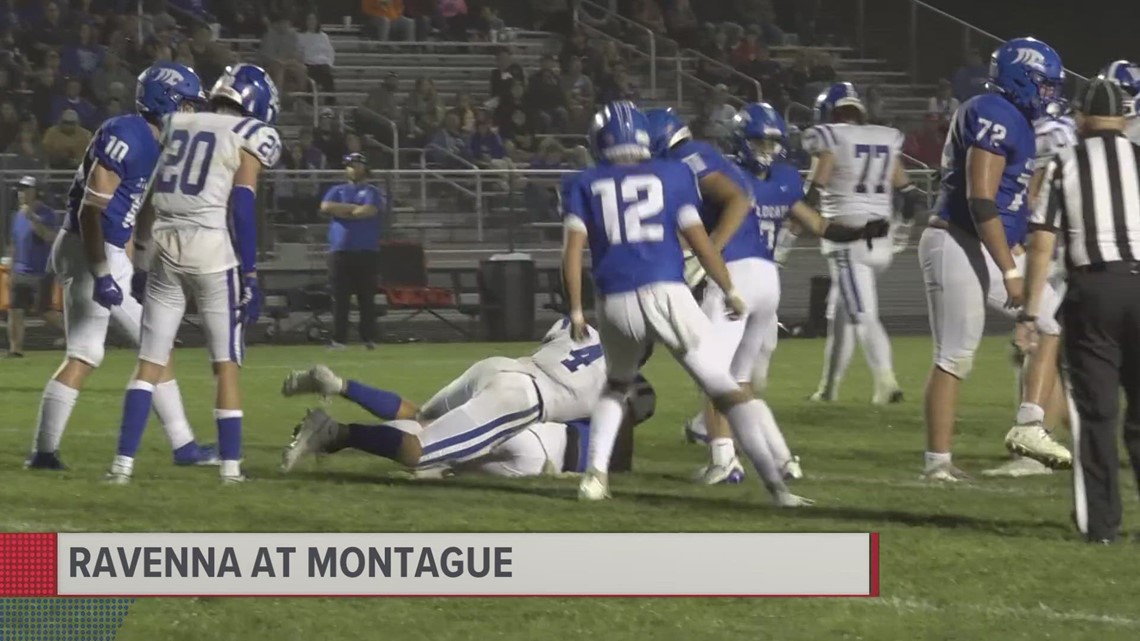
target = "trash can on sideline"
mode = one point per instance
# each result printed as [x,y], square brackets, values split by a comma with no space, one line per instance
[507,298]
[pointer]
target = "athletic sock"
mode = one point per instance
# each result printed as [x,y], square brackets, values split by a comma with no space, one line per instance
[381,403]
[55,409]
[932,460]
[745,420]
[229,434]
[136,409]
[605,422]
[722,451]
[1030,413]
[171,413]
[379,440]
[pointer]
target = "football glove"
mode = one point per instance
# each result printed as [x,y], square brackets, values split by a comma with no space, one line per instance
[694,271]
[107,292]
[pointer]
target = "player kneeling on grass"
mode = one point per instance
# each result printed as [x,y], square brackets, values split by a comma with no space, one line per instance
[503,416]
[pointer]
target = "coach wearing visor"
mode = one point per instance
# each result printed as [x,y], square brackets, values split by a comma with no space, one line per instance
[354,249]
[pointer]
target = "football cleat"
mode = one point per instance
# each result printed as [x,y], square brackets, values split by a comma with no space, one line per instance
[318,379]
[693,434]
[792,470]
[233,479]
[1034,441]
[45,461]
[822,396]
[730,474]
[317,434]
[195,454]
[1018,467]
[595,486]
[887,396]
[943,474]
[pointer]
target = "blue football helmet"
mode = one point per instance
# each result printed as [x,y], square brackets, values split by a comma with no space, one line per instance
[1127,76]
[251,89]
[666,129]
[165,88]
[840,94]
[1028,73]
[620,133]
[759,136]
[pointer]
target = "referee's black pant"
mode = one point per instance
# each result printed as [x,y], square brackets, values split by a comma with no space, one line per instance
[354,273]
[1101,316]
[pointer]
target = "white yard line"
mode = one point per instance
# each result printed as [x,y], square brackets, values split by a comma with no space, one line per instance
[1042,611]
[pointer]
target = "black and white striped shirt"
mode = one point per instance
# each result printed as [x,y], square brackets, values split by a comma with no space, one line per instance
[1091,194]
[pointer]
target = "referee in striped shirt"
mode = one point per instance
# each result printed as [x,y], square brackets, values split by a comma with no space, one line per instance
[1091,196]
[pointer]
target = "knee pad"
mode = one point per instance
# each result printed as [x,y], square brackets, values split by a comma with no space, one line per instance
[92,355]
[957,367]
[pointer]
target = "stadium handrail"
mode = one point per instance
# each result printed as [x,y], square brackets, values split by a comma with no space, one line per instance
[629,23]
[395,133]
[477,194]
[732,71]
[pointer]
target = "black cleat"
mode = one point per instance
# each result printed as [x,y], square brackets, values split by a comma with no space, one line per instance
[45,461]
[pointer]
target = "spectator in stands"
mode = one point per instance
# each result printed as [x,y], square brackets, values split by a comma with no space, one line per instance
[619,86]
[719,114]
[770,32]
[926,144]
[505,73]
[464,112]
[507,106]
[485,146]
[82,57]
[423,110]
[550,155]
[574,46]
[385,20]
[682,23]
[113,107]
[545,100]
[380,110]
[11,54]
[764,69]
[44,92]
[71,100]
[28,152]
[448,145]
[876,106]
[519,136]
[155,51]
[52,62]
[354,209]
[9,123]
[110,72]
[942,104]
[196,8]
[329,138]
[317,53]
[314,157]
[47,34]
[422,13]
[244,21]
[453,15]
[718,49]
[66,142]
[822,68]
[209,57]
[298,158]
[970,79]
[580,116]
[487,25]
[648,14]
[575,84]
[746,51]
[797,77]
[280,54]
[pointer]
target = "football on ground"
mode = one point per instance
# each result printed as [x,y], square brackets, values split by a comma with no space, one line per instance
[987,559]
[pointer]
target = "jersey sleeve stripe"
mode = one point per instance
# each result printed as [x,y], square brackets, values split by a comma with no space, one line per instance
[829,135]
[241,125]
[252,130]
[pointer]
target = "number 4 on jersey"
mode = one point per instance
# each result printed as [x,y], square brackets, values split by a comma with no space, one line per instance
[582,357]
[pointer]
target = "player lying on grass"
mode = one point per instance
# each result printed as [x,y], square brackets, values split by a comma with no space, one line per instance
[503,416]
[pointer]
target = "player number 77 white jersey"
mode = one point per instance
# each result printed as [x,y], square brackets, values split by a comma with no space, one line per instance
[865,158]
[192,184]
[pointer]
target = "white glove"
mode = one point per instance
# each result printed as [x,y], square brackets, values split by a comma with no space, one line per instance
[900,236]
[694,271]
[734,305]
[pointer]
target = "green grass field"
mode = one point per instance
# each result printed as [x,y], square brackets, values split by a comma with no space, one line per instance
[984,560]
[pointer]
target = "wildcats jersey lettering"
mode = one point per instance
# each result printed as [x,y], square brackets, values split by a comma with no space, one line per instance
[193,182]
[865,159]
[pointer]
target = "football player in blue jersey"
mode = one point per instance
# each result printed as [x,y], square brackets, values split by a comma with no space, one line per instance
[90,258]
[630,208]
[1127,75]
[972,254]
[778,193]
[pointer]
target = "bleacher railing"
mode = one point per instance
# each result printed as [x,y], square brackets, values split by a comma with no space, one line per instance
[510,208]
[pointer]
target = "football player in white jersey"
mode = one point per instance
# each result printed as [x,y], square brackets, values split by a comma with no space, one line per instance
[1039,388]
[500,409]
[855,172]
[204,186]
[90,258]
[1127,75]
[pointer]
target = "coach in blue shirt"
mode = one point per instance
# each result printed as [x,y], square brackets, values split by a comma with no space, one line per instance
[354,246]
[34,227]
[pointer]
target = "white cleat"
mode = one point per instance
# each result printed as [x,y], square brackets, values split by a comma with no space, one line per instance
[943,474]
[117,478]
[888,396]
[1034,441]
[595,486]
[822,396]
[784,498]
[318,379]
[1018,467]
[792,470]
[318,433]
[233,479]
[730,474]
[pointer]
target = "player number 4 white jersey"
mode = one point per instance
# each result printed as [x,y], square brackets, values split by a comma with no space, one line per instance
[193,181]
[865,159]
[578,368]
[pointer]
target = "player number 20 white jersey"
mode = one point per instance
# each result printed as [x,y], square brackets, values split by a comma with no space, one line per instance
[193,181]
[865,158]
